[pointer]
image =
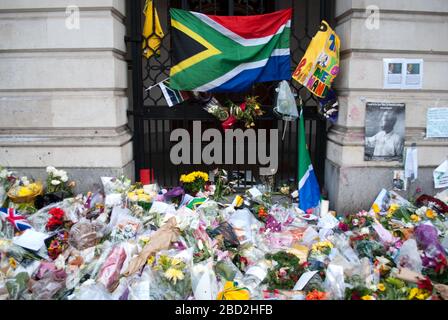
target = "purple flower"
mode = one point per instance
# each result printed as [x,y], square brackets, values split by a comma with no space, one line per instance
[173,193]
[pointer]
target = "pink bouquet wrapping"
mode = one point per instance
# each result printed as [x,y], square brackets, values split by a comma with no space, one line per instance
[110,270]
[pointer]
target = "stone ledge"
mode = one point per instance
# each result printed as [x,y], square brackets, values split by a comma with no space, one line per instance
[61,5]
[345,7]
[66,156]
[65,137]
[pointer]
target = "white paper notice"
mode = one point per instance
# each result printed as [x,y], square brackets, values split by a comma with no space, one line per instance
[31,239]
[159,207]
[441,175]
[437,123]
[254,192]
[403,73]
[411,164]
[304,279]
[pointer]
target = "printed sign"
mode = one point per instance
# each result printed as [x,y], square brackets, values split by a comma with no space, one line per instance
[437,123]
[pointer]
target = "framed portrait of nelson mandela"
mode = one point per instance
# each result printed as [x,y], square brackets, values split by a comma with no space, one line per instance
[384,131]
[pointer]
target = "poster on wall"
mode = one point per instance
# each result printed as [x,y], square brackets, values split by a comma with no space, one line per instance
[403,73]
[384,131]
[414,74]
[437,123]
[400,181]
[393,73]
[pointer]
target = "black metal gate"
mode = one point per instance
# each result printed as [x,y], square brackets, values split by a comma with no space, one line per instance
[152,120]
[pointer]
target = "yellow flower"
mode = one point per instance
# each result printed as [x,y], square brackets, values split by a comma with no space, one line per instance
[232,292]
[144,197]
[413,293]
[367,297]
[151,260]
[175,261]
[431,214]
[25,191]
[376,208]
[415,218]
[419,294]
[173,274]
[12,263]
[139,191]
[381,287]
[132,196]
[393,207]
[322,245]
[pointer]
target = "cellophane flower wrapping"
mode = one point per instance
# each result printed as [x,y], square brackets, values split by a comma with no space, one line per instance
[172,275]
[40,219]
[110,271]
[47,287]
[203,280]
[409,256]
[334,282]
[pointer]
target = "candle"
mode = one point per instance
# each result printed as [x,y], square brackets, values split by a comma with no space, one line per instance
[145,176]
[324,206]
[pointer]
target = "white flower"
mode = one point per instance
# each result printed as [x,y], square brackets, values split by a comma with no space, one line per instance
[200,245]
[25,181]
[421,211]
[3,174]
[51,169]
[60,173]
[64,178]
[59,263]
[365,230]
[55,182]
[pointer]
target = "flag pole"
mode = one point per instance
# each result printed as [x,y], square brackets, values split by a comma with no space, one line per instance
[155,85]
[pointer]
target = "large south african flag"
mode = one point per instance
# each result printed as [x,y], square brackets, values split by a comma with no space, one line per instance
[229,53]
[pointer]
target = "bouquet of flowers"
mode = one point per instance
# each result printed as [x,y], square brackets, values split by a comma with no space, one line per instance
[173,280]
[359,220]
[7,180]
[247,112]
[194,181]
[58,244]
[56,220]
[285,272]
[57,181]
[25,191]
[217,110]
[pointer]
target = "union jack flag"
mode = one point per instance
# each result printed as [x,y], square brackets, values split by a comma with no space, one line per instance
[17,220]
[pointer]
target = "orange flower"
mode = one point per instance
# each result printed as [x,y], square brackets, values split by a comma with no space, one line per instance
[316,295]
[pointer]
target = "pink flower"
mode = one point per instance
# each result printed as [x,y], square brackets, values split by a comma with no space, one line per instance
[398,244]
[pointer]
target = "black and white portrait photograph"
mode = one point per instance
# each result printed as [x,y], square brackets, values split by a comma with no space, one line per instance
[384,131]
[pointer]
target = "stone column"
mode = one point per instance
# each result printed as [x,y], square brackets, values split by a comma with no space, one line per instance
[63,88]
[410,29]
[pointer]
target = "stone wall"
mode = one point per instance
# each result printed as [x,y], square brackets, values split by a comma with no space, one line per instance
[63,91]
[409,29]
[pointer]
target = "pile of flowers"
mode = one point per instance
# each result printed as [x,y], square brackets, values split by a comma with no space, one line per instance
[130,241]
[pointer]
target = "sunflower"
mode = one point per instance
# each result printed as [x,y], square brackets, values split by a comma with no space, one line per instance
[173,274]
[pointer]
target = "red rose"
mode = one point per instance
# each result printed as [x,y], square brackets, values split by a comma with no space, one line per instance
[56,219]
[425,284]
[343,226]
